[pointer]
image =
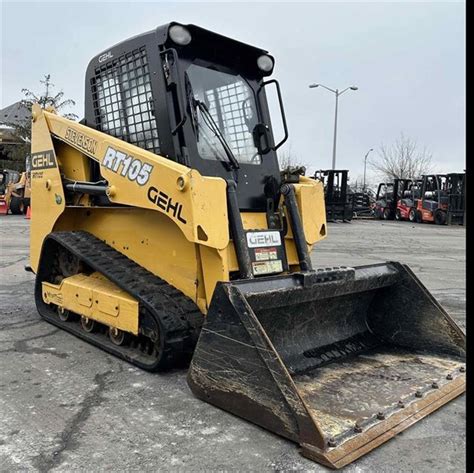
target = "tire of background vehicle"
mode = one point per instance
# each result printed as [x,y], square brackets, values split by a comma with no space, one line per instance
[412,215]
[26,204]
[386,214]
[440,217]
[16,205]
[398,215]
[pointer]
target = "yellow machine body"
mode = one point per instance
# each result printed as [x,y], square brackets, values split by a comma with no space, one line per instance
[193,256]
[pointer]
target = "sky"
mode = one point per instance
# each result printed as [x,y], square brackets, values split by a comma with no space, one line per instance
[406,58]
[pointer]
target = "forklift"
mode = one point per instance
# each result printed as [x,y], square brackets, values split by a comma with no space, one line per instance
[456,187]
[337,196]
[388,194]
[406,204]
[433,203]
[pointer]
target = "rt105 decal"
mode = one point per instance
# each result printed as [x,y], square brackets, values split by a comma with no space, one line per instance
[127,166]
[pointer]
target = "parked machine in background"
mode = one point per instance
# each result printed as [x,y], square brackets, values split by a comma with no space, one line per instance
[15,190]
[384,201]
[8,179]
[337,195]
[456,189]
[363,203]
[407,201]
[432,206]
[21,195]
[163,232]
[388,195]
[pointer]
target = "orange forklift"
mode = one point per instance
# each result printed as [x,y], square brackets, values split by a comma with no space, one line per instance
[432,206]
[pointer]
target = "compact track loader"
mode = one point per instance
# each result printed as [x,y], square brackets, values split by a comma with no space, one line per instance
[163,232]
[8,180]
[14,191]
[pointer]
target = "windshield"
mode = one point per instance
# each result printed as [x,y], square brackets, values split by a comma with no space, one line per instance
[231,104]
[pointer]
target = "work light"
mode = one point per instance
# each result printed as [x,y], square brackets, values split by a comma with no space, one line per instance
[179,35]
[265,63]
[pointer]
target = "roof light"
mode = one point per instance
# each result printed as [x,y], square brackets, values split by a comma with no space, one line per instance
[179,35]
[265,63]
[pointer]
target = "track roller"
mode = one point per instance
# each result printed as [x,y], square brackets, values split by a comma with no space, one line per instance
[64,314]
[88,325]
[118,337]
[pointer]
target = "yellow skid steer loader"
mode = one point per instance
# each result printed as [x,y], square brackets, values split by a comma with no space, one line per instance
[164,233]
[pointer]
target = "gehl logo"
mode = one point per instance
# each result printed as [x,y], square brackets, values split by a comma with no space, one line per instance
[105,56]
[165,203]
[261,239]
[43,160]
[127,166]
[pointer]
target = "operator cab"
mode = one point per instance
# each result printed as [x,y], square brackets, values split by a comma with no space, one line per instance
[435,188]
[195,97]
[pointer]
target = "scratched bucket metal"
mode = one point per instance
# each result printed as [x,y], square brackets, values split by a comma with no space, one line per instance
[338,360]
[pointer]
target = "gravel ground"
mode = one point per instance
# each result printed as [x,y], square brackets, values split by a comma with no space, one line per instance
[65,405]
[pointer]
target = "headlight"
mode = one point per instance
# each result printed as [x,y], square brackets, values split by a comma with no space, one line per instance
[265,63]
[179,35]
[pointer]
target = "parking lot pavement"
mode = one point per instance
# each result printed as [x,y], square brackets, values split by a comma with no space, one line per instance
[65,405]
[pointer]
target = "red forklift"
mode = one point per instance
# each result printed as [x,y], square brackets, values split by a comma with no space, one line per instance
[406,204]
[432,206]
[388,195]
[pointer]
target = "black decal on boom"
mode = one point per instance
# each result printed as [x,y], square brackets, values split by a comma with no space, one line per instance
[165,203]
[43,160]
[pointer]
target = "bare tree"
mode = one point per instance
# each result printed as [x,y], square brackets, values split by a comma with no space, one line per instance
[404,159]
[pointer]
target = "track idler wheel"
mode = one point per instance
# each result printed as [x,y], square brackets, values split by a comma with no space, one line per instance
[88,325]
[117,336]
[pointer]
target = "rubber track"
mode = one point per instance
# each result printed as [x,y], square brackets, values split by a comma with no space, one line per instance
[178,317]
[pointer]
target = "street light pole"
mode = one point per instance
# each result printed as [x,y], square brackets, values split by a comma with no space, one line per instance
[335,132]
[365,164]
[337,94]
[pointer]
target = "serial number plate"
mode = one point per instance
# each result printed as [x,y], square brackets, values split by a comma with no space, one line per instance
[267,267]
[262,239]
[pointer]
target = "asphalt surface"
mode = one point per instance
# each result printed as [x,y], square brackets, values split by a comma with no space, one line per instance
[65,405]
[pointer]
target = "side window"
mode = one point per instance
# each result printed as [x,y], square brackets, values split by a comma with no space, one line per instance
[123,101]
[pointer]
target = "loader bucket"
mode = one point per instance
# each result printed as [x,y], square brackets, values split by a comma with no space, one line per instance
[339,360]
